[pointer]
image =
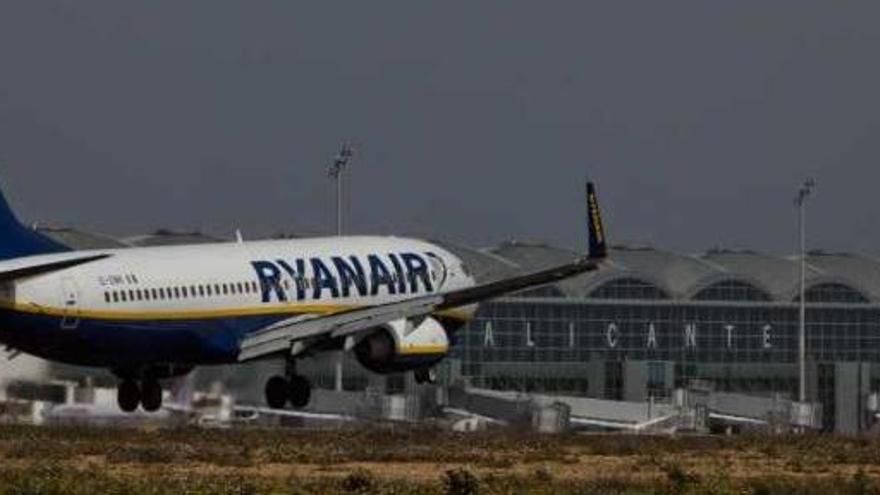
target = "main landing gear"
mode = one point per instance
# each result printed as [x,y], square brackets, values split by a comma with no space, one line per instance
[132,393]
[295,389]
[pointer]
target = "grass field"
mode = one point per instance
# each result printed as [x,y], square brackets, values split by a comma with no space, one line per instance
[410,461]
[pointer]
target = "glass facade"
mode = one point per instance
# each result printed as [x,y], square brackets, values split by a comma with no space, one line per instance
[832,292]
[550,344]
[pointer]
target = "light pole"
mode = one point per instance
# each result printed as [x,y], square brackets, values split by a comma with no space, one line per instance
[801,201]
[336,172]
[337,169]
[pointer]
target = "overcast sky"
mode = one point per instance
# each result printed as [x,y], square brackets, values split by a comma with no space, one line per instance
[475,121]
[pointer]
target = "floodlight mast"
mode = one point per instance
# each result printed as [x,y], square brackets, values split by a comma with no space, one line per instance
[801,202]
[337,172]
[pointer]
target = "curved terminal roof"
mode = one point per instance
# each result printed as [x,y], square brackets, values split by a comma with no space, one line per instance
[532,257]
[166,237]
[80,240]
[483,265]
[718,274]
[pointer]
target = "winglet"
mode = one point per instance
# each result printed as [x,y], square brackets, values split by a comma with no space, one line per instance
[598,246]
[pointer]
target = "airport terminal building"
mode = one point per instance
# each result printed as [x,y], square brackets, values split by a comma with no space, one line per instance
[651,321]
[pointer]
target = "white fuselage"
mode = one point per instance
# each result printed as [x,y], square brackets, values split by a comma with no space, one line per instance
[200,300]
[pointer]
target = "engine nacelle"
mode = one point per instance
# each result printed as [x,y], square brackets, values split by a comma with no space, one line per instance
[402,345]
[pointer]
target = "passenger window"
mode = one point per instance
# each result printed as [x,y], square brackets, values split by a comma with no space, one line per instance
[254,288]
[124,299]
[217,289]
[201,291]
[240,288]
[146,294]
[162,293]
[225,289]
[131,295]
[154,294]
[177,293]
[107,297]
[115,296]
[209,290]
[138,295]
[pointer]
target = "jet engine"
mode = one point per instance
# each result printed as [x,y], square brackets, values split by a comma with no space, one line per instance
[403,345]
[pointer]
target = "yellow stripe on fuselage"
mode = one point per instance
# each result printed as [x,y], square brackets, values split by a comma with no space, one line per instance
[208,314]
[423,349]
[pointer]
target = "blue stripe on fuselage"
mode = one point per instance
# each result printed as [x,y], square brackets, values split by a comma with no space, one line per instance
[114,344]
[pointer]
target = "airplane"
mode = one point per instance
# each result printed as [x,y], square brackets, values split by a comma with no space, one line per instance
[154,314]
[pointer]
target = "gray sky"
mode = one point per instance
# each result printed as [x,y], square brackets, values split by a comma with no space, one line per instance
[475,121]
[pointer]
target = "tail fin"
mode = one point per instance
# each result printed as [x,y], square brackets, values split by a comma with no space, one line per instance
[17,241]
[598,246]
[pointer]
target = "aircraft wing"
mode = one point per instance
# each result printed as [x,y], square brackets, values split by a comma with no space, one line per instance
[285,336]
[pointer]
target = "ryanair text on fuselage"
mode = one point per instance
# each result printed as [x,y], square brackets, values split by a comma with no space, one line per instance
[348,276]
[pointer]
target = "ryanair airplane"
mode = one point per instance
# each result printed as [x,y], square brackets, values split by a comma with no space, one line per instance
[151,314]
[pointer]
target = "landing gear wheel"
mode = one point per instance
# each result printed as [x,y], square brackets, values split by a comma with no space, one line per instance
[424,376]
[151,395]
[276,392]
[128,395]
[299,391]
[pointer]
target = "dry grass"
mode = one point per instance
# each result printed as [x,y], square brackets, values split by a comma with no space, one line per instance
[406,460]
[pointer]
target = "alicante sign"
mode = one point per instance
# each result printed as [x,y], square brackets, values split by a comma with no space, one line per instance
[684,337]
